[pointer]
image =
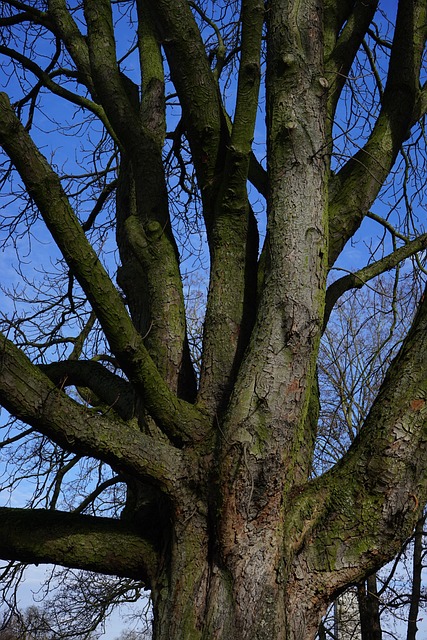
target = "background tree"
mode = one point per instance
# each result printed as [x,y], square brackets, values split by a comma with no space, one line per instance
[198,481]
[34,624]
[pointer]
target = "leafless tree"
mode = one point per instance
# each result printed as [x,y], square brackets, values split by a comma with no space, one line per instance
[145,140]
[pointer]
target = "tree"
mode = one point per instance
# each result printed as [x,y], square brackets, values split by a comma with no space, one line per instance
[33,625]
[221,518]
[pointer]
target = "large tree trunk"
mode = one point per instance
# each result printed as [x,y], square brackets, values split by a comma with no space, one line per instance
[197,597]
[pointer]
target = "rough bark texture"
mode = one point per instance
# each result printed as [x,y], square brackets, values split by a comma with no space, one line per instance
[222,519]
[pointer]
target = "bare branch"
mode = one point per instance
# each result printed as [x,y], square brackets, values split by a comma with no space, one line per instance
[341,59]
[44,186]
[371,165]
[360,278]
[57,89]
[96,493]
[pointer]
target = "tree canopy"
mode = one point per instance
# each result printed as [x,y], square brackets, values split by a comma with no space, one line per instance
[170,432]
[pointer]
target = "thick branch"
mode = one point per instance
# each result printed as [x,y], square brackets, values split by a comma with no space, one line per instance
[147,245]
[176,417]
[361,511]
[252,20]
[338,65]
[68,31]
[234,239]
[141,130]
[222,177]
[17,19]
[57,89]
[258,175]
[27,393]
[72,540]
[106,76]
[197,89]
[371,165]
[336,13]
[109,388]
